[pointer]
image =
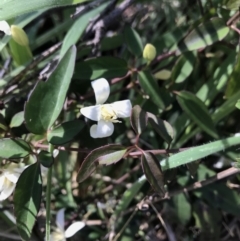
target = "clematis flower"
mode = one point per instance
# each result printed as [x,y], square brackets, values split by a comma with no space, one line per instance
[105,114]
[8,180]
[60,234]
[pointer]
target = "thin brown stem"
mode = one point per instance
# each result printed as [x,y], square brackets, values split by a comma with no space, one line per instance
[199,184]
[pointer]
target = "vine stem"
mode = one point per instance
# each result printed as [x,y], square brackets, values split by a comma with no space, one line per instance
[48,198]
[125,225]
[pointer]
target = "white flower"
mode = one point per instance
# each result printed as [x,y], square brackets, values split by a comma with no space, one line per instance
[105,114]
[4,26]
[8,180]
[60,234]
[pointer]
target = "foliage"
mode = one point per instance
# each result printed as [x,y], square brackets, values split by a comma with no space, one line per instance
[178,64]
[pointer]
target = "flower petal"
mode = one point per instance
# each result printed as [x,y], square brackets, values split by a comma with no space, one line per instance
[7,189]
[122,108]
[2,180]
[60,219]
[101,89]
[102,129]
[4,26]
[12,176]
[92,112]
[73,228]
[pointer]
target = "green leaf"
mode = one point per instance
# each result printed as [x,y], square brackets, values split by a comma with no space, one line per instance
[233,4]
[104,155]
[133,41]
[20,54]
[153,172]
[233,85]
[12,8]
[65,132]
[17,119]
[183,67]
[150,86]
[75,32]
[45,158]
[163,74]
[238,104]
[162,127]
[182,208]
[46,100]
[14,148]
[204,35]
[107,67]
[3,41]
[138,119]
[197,111]
[198,152]
[27,199]
[128,196]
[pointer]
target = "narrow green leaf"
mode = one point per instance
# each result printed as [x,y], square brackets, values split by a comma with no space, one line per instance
[196,153]
[12,8]
[17,119]
[150,86]
[46,100]
[162,127]
[104,66]
[153,172]
[20,54]
[197,111]
[104,155]
[75,32]
[226,108]
[3,41]
[65,132]
[204,35]
[128,196]
[183,67]
[133,41]
[138,119]
[233,85]
[45,158]
[27,199]
[14,148]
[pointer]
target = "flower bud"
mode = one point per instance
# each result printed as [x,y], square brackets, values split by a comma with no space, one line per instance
[19,35]
[149,52]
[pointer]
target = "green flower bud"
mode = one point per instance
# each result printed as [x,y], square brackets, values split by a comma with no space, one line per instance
[19,35]
[149,52]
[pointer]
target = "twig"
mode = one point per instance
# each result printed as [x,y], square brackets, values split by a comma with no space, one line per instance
[199,184]
[5,67]
[125,225]
[33,64]
[132,154]
[170,234]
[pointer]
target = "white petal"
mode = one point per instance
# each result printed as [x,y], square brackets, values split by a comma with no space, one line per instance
[4,26]
[2,180]
[7,190]
[122,108]
[12,176]
[60,219]
[73,228]
[93,131]
[101,89]
[91,112]
[102,129]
